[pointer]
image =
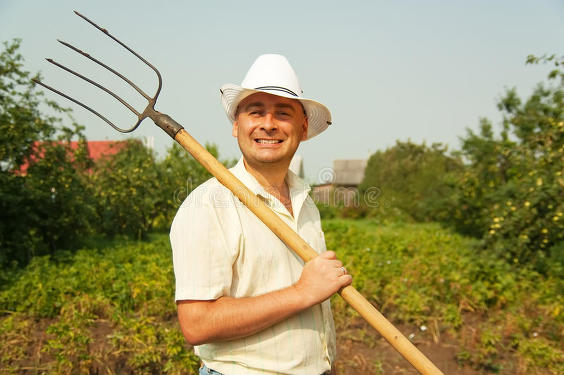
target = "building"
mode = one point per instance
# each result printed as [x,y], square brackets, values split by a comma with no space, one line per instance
[341,183]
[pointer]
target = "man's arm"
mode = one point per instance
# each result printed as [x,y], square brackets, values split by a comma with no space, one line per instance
[228,318]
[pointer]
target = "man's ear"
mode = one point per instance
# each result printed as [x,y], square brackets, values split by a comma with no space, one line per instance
[305,128]
[235,130]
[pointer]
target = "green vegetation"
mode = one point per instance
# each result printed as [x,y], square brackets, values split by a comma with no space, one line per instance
[512,192]
[107,310]
[504,319]
[506,189]
[111,308]
[414,178]
[44,208]
[53,196]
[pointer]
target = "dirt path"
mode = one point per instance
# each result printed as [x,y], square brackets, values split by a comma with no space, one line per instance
[361,350]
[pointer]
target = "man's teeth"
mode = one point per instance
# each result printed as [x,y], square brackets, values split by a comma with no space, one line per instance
[268,141]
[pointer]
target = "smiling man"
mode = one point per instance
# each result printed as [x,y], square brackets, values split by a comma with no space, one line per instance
[245,301]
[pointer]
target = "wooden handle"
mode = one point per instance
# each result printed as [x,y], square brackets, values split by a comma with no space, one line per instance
[306,252]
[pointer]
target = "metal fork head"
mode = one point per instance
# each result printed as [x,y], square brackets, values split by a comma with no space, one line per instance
[149,110]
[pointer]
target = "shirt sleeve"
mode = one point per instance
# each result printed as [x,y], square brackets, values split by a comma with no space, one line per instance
[203,261]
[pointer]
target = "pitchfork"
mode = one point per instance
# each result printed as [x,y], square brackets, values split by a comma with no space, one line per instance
[281,229]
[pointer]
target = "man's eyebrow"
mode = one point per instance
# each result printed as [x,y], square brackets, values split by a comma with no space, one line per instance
[254,104]
[285,105]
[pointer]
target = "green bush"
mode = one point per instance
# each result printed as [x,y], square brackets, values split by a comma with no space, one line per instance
[512,192]
[44,197]
[127,191]
[416,179]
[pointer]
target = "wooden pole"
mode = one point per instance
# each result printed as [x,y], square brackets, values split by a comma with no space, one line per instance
[306,252]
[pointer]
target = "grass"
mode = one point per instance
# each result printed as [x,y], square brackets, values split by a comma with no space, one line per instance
[110,308]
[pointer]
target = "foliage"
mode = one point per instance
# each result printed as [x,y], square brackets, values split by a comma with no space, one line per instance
[414,178]
[42,187]
[111,310]
[505,319]
[512,192]
[107,310]
[53,196]
[378,210]
[127,191]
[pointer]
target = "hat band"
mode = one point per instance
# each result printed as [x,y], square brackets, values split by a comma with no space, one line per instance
[277,88]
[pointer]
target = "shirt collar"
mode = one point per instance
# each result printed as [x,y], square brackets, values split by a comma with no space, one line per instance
[299,189]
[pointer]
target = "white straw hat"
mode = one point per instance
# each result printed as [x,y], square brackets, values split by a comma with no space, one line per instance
[273,74]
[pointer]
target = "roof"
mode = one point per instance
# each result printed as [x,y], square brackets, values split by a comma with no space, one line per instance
[96,150]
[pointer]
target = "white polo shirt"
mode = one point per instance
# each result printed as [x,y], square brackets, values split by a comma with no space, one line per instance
[220,248]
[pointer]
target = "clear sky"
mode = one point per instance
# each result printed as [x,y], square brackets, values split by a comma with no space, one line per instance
[394,70]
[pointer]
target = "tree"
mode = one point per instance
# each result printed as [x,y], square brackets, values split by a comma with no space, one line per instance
[414,178]
[513,190]
[128,190]
[42,186]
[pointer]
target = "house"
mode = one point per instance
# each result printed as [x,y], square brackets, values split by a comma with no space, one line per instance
[341,185]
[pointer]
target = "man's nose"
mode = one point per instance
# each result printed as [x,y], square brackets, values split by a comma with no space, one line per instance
[268,122]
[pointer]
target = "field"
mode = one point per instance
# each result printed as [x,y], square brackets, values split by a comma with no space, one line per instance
[109,308]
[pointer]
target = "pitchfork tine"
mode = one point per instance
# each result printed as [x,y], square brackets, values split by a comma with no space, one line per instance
[83,106]
[126,47]
[164,121]
[88,56]
[95,84]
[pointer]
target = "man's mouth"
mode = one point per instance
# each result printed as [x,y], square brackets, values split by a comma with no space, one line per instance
[268,141]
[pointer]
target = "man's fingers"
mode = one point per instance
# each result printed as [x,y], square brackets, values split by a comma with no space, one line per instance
[328,255]
[342,271]
[345,280]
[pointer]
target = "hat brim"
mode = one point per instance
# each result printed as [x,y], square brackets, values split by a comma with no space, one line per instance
[319,116]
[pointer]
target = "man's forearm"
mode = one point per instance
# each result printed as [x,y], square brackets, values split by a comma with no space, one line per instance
[229,318]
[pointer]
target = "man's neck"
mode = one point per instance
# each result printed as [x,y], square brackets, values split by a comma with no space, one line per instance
[273,180]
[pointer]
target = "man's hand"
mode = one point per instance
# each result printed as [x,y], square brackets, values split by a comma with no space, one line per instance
[322,277]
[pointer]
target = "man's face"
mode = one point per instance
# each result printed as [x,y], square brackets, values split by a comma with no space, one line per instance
[269,128]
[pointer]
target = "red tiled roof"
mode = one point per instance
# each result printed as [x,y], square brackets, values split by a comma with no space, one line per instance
[96,150]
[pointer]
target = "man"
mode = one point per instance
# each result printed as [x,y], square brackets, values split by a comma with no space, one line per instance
[245,301]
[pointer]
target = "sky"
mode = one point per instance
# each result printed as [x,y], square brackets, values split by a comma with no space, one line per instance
[402,70]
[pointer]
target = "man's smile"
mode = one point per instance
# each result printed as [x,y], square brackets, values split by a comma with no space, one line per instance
[268,141]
